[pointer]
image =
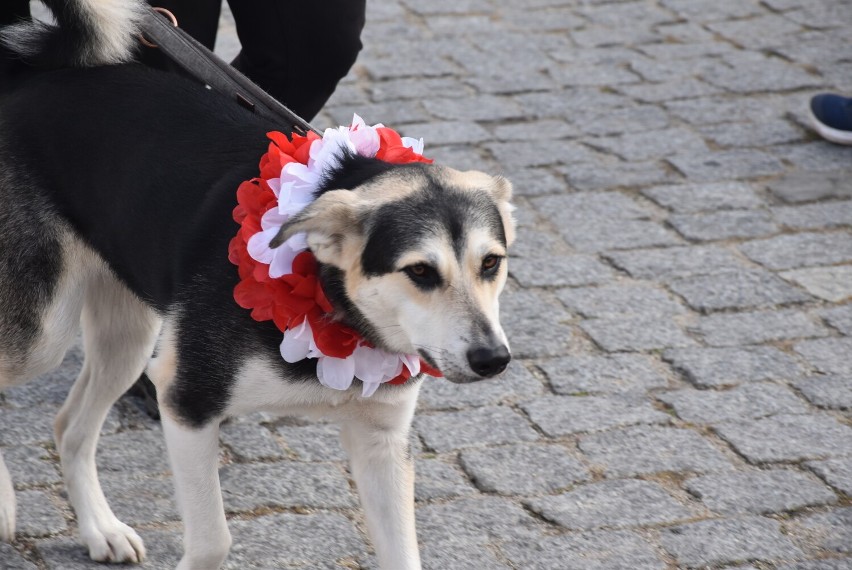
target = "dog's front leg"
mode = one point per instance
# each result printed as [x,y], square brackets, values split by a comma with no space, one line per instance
[378,447]
[194,456]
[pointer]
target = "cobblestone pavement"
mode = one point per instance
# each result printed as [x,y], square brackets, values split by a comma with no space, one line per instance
[679,307]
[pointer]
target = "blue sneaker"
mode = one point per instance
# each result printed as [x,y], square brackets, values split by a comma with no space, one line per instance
[831,116]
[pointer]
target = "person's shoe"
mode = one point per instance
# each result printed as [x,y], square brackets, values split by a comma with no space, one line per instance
[831,116]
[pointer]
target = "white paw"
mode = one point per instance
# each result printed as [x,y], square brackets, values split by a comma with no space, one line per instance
[7,505]
[114,542]
[7,517]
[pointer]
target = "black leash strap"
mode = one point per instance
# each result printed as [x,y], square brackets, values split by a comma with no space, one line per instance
[210,69]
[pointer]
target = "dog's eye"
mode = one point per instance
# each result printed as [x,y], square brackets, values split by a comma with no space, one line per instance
[490,265]
[424,276]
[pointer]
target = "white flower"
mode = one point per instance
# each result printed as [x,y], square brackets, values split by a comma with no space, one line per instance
[297,343]
[414,144]
[336,373]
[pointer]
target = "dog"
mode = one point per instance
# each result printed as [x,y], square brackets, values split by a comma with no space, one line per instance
[117,185]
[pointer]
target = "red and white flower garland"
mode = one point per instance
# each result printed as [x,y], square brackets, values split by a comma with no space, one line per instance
[281,284]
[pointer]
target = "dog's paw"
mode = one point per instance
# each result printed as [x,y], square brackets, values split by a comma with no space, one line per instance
[115,542]
[7,505]
[7,518]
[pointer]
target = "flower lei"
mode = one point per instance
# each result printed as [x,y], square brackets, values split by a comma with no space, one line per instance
[281,284]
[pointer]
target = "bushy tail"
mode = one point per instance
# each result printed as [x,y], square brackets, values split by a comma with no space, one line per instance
[88,33]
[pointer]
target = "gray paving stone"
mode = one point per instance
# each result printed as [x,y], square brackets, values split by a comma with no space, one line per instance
[827,564]
[694,198]
[815,216]
[594,75]
[612,504]
[283,484]
[573,414]
[447,132]
[608,121]
[760,492]
[672,262]
[560,271]
[814,156]
[37,515]
[285,539]
[724,225]
[597,550]
[619,300]
[642,450]
[756,327]
[714,109]
[708,543]
[772,29]
[772,132]
[250,442]
[747,401]
[133,452]
[31,465]
[804,186]
[568,209]
[611,374]
[723,10]
[833,392]
[736,290]
[481,426]
[517,383]
[12,560]
[611,173]
[524,315]
[538,153]
[313,442]
[829,283]
[26,425]
[650,144]
[535,130]
[831,530]
[839,318]
[483,107]
[669,90]
[461,557]
[726,165]
[714,367]
[837,472]
[828,355]
[788,437]
[439,480]
[635,333]
[669,70]
[523,469]
[140,501]
[474,521]
[800,250]
[536,181]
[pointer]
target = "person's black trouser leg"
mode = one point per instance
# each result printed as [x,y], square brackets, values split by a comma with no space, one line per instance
[298,50]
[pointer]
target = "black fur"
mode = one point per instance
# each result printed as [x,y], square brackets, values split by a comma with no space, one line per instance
[145,165]
[399,227]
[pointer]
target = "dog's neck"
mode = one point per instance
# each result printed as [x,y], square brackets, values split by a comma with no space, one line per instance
[343,309]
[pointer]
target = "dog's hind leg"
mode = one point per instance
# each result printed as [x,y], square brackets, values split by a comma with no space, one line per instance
[118,337]
[7,504]
[376,439]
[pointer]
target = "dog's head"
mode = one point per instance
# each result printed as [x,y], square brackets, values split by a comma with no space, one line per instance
[414,257]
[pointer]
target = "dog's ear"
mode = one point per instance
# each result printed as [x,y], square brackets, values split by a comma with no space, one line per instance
[327,221]
[501,189]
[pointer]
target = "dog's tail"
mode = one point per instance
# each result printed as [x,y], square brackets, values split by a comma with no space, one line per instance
[88,33]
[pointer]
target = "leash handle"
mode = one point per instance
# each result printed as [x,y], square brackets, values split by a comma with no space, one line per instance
[208,68]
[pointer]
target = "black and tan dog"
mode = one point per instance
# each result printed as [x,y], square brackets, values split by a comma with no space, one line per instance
[117,185]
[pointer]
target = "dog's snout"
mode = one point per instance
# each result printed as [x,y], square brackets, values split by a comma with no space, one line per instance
[489,361]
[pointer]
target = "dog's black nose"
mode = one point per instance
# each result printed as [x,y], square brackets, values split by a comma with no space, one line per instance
[489,361]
